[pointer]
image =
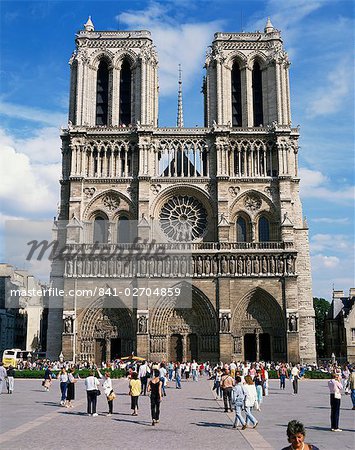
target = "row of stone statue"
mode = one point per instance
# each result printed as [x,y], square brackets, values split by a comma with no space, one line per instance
[172,266]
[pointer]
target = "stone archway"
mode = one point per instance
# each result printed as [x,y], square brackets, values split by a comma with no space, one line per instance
[106,331]
[195,328]
[259,328]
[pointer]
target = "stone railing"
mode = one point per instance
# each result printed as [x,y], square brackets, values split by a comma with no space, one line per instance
[170,261]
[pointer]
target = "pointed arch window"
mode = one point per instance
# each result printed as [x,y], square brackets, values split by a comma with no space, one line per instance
[241,230]
[123,231]
[100,230]
[236,96]
[102,94]
[125,94]
[257,95]
[264,229]
[73,92]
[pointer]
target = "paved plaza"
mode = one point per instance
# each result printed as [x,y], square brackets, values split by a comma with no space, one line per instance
[190,418]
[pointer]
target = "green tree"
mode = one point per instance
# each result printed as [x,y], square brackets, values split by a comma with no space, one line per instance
[321,307]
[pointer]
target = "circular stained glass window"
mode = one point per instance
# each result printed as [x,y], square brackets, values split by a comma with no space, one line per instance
[183,219]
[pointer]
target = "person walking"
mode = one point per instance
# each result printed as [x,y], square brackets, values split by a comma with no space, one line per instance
[3,375]
[155,389]
[351,384]
[335,386]
[70,389]
[10,379]
[250,399]
[48,375]
[63,384]
[259,388]
[143,376]
[238,398]
[227,383]
[92,385]
[295,374]
[108,390]
[178,375]
[187,371]
[135,389]
[170,371]
[194,369]
[217,383]
[162,371]
[282,374]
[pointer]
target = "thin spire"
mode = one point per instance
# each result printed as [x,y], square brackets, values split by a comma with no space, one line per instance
[180,116]
[89,26]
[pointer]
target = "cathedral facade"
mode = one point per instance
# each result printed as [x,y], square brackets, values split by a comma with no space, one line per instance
[222,201]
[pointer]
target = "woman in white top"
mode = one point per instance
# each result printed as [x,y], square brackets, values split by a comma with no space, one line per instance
[91,384]
[63,378]
[250,399]
[108,389]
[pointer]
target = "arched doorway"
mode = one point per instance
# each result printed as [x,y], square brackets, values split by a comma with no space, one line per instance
[106,332]
[184,334]
[259,328]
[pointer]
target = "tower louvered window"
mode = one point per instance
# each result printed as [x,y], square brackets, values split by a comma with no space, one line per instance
[125,94]
[102,94]
[257,95]
[236,96]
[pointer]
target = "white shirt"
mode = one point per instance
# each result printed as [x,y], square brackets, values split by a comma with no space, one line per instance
[194,366]
[91,383]
[142,371]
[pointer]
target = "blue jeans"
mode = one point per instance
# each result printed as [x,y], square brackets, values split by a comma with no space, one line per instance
[238,415]
[178,381]
[170,371]
[353,397]
[282,381]
[194,375]
[218,389]
[259,393]
[249,416]
[63,390]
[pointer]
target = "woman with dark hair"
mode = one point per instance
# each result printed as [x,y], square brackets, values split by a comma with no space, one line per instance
[335,388]
[155,389]
[296,434]
[91,385]
[135,389]
[70,389]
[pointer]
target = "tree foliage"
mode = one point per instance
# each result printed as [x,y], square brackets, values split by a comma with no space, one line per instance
[321,308]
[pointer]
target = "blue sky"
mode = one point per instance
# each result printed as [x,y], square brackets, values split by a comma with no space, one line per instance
[37,39]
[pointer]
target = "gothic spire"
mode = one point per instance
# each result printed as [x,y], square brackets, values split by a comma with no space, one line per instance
[89,26]
[180,116]
[269,27]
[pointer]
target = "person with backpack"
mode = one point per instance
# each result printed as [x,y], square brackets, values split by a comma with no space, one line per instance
[238,397]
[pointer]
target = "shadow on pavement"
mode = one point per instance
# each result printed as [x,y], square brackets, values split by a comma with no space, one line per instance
[55,404]
[213,424]
[312,427]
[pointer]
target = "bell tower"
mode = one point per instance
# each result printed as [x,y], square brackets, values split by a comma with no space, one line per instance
[247,80]
[114,78]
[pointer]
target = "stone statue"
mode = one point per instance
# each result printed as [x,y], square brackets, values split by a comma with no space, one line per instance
[264,265]
[167,266]
[232,266]
[272,265]
[240,266]
[224,323]
[68,325]
[256,266]
[142,324]
[248,266]
[292,322]
[183,266]
[207,266]
[281,266]
[69,267]
[199,266]
[224,266]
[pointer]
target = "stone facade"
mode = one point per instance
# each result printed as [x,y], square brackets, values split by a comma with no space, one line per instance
[340,327]
[222,200]
[22,314]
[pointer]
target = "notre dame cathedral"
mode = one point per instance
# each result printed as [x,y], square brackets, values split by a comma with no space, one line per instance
[222,201]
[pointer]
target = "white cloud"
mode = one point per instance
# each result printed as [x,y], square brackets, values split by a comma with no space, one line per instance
[315,185]
[324,262]
[43,146]
[176,42]
[27,189]
[324,242]
[329,98]
[332,220]
[32,114]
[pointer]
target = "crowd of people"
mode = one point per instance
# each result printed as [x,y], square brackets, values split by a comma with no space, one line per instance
[242,386]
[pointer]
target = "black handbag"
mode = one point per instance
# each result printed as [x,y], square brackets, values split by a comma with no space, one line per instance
[98,392]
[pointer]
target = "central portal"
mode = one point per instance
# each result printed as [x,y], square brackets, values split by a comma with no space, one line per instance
[176,347]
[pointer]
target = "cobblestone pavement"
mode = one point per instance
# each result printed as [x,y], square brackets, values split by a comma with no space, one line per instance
[190,418]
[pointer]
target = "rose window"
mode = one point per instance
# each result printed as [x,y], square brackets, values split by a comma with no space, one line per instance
[183,219]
